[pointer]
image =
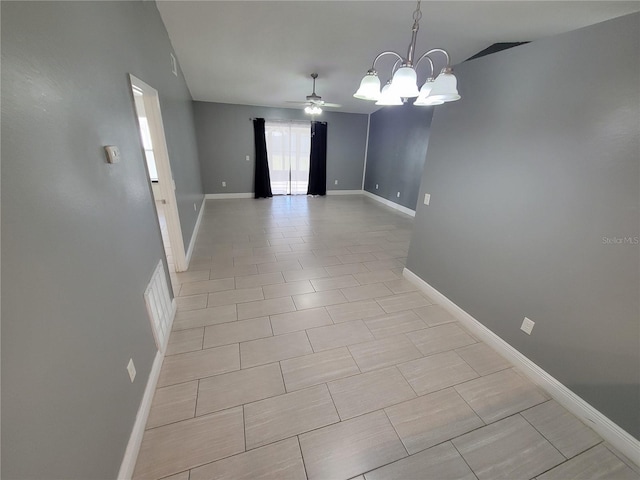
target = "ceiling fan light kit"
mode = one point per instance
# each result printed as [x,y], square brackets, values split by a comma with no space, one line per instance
[404,78]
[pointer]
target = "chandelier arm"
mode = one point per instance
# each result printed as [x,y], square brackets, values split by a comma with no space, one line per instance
[373,67]
[426,55]
[440,50]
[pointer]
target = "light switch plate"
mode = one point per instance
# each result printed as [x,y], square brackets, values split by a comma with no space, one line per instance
[113,153]
[131,369]
[427,198]
[527,325]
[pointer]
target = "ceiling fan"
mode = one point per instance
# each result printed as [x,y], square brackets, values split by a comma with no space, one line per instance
[314,101]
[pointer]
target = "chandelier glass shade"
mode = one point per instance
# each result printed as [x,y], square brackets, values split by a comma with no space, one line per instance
[312,110]
[404,77]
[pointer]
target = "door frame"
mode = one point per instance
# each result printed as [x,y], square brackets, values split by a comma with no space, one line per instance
[166,184]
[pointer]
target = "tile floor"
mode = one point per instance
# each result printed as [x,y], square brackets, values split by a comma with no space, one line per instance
[299,352]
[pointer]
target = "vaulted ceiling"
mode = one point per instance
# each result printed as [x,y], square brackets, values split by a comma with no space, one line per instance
[262,52]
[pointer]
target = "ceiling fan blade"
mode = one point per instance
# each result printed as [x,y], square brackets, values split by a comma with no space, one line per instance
[331,105]
[297,103]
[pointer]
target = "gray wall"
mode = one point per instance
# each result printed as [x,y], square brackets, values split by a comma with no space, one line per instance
[529,175]
[398,139]
[225,138]
[80,238]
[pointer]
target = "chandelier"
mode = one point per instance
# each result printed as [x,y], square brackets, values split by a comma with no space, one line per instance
[404,79]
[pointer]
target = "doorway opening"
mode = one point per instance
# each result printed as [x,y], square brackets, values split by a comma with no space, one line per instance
[288,150]
[151,130]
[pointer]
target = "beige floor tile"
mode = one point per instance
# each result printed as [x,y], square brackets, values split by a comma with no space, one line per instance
[365,292]
[431,419]
[434,315]
[394,324]
[273,349]
[597,463]
[441,338]
[563,430]
[278,461]
[192,302]
[347,449]
[253,259]
[368,392]
[287,289]
[172,404]
[384,353]
[285,241]
[442,463]
[183,341]
[338,270]
[404,301]
[263,308]
[385,264]
[356,258]
[300,320]
[483,359]
[317,368]
[500,394]
[207,286]
[251,281]
[204,317]
[333,283]
[340,335]
[193,276]
[276,418]
[240,387]
[331,252]
[178,476]
[240,295]
[238,271]
[401,286]
[279,266]
[508,449]
[274,249]
[203,363]
[310,262]
[305,274]
[319,299]
[235,332]
[355,311]
[378,276]
[180,446]
[436,372]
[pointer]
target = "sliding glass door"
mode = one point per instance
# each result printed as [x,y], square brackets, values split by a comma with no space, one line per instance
[288,149]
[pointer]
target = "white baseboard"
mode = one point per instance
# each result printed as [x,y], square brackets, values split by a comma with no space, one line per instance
[344,192]
[389,203]
[137,432]
[222,196]
[607,429]
[194,234]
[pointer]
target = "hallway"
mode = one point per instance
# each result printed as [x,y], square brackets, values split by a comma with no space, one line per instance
[299,351]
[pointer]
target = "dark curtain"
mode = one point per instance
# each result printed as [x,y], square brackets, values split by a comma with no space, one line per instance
[262,180]
[318,159]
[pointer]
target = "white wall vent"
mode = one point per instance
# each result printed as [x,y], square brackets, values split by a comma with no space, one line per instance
[159,306]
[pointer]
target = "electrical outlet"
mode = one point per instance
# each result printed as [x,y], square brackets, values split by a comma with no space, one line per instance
[247,158]
[131,369]
[427,198]
[335,182]
[224,184]
[527,325]
[376,186]
[398,195]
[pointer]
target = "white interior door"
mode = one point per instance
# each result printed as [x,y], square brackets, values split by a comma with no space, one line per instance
[154,144]
[288,150]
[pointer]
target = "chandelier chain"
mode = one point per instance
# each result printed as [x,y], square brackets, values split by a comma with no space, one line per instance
[417,14]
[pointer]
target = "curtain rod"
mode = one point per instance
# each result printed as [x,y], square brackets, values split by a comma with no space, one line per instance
[280,120]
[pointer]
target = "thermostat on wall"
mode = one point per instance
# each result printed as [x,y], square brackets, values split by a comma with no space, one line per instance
[113,153]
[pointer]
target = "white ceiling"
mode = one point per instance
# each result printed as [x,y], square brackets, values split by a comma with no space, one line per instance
[262,52]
